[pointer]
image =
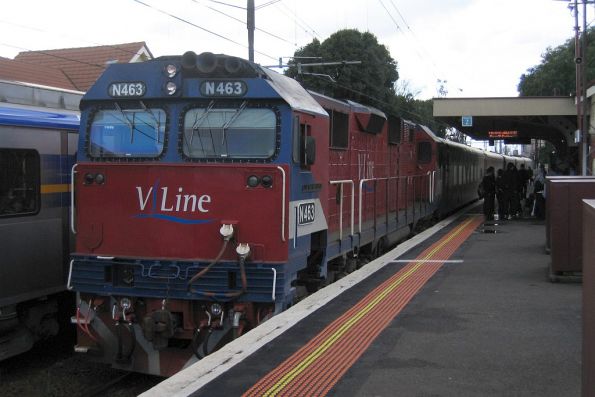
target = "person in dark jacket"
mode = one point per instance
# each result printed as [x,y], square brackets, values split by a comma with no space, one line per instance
[500,195]
[511,185]
[489,188]
[523,179]
[539,186]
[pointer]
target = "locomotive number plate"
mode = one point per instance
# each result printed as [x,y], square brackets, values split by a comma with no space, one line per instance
[220,88]
[127,89]
[306,213]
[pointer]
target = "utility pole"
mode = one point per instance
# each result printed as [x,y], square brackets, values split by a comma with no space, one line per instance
[251,25]
[585,124]
[580,48]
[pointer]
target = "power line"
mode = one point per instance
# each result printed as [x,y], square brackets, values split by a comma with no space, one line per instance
[244,22]
[50,55]
[35,29]
[390,15]
[228,5]
[300,22]
[200,27]
[271,2]
[427,57]
[419,117]
[401,16]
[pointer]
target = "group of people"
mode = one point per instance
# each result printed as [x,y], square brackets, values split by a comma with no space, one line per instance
[512,189]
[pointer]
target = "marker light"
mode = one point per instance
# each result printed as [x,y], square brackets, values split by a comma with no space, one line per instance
[89,178]
[171,70]
[99,179]
[267,181]
[171,88]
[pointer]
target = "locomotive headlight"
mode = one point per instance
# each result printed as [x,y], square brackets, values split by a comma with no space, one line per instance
[171,70]
[171,88]
[216,309]
[99,179]
[253,181]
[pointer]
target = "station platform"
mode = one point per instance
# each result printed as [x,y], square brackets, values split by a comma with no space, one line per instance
[462,309]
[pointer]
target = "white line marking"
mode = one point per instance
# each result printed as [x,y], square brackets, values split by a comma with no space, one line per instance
[427,261]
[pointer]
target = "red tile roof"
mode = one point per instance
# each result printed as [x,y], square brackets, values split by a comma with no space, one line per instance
[30,73]
[83,66]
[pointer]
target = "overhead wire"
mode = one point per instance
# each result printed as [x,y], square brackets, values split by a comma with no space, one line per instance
[244,22]
[268,3]
[419,44]
[298,21]
[36,29]
[201,27]
[366,96]
[421,57]
[227,4]
[425,58]
[50,55]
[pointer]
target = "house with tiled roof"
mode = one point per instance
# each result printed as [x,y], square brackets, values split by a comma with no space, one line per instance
[70,68]
[11,70]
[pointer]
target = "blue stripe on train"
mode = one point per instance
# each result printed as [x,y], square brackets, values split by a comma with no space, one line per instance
[38,119]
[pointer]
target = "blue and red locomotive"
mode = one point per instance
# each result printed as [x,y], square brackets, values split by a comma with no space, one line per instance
[211,193]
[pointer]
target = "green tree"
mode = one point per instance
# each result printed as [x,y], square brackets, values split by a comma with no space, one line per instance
[555,75]
[373,80]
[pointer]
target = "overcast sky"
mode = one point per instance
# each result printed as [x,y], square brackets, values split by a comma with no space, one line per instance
[480,47]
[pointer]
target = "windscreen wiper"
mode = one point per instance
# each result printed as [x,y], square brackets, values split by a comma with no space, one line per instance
[228,123]
[157,122]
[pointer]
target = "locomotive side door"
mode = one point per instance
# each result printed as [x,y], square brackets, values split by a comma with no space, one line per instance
[309,189]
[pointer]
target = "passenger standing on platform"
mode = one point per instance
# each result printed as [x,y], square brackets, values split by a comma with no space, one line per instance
[523,179]
[489,188]
[500,194]
[510,187]
[539,192]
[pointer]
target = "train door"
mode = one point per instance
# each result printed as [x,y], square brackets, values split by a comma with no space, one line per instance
[308,224]
[31,224]
[394,140]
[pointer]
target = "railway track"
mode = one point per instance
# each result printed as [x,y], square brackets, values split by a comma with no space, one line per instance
[52,369]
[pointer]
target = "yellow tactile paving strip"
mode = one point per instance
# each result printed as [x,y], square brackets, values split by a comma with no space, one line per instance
[317,366]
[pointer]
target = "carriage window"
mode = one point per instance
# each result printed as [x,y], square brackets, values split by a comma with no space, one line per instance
[424,152]
[19,182]
[339,134]
[394,130]
[127,133]
[235,133]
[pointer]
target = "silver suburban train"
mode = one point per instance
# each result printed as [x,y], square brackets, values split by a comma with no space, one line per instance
[38,140]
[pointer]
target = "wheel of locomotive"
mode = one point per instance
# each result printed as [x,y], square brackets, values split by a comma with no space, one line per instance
[350,264]
[381,247]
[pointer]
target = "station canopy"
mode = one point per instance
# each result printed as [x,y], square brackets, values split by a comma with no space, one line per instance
[514,119]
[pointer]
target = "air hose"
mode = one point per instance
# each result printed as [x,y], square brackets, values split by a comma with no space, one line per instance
[233,294]
[210,265]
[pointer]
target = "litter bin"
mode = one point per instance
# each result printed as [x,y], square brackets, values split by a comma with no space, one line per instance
[588,210]
[564,206]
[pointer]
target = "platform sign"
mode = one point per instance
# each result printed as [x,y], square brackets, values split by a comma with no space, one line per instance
[503,134]
[467,121]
